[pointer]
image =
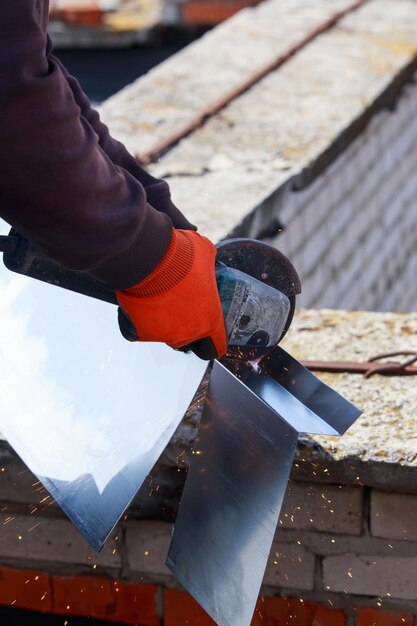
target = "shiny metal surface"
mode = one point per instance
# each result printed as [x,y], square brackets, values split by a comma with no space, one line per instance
[237,480]
[88,412]
[334,413]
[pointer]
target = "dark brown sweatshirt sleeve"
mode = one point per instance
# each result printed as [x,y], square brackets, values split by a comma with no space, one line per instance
[157,191]
[57,185]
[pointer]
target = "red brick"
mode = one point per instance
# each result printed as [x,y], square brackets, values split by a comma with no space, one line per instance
[379,617]
[25,589]
[283,612]
[103,598]
[295,612]
[91,596]
[324,616]
[136,604]
[181,609]
[209,12]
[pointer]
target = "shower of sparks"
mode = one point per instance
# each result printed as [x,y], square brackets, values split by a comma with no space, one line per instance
[33,527]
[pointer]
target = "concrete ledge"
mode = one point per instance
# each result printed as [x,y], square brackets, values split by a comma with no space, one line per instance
[282,132]
[380,449]
[172,94]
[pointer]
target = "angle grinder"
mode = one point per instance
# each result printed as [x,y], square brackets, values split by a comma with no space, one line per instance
[257,287]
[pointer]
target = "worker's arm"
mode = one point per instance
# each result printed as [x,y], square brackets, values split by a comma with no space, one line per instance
[60,189]
[157,191]
[58,186]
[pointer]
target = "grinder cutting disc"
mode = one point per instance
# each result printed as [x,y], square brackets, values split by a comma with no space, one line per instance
[267,264]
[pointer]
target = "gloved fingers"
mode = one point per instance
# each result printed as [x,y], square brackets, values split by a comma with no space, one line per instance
[204,349]
[126,326]
[179,303]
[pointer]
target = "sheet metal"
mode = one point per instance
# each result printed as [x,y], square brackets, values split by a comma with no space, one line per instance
[88,412]
[237,480]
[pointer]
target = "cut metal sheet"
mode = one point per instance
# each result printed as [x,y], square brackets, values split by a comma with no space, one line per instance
[88,412]
[237,480]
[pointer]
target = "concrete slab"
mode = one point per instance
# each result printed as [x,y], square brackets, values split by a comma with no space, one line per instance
[380,449]
[172,94]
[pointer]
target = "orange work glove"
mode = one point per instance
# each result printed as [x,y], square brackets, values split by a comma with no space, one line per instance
[178,303]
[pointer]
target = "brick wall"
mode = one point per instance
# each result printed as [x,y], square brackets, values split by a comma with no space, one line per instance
[342,555]
[352,234]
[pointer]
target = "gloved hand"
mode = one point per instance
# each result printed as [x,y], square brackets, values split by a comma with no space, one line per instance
[178,303]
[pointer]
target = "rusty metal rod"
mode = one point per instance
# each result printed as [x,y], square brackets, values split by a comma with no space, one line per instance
[368,368]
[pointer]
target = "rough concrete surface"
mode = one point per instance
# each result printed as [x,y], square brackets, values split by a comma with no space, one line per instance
[386,434]
[326,87]
[171,95]
[227,169]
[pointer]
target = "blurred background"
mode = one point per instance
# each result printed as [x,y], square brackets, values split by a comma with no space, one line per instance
[109,43]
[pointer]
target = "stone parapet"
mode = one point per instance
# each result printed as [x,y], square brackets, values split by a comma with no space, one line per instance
[285,129]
